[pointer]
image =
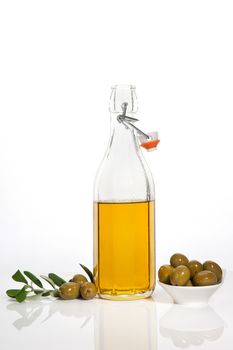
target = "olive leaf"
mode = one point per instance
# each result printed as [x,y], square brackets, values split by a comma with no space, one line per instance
[88,272]
[38,291]
[19,277]
[12,292]
[33,278]
[49,280]
[21,295]
[56,279]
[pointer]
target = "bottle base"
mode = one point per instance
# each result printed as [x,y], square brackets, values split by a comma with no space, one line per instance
[119,297]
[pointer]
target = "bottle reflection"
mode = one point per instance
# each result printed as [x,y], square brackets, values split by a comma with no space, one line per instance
[187,326]
[126,325]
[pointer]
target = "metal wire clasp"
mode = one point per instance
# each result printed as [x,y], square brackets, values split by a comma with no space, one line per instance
[127,121]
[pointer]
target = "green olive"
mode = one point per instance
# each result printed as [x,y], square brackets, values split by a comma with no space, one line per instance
[69,290]
[204,278]
[180,276]
[88,290]
[79,279]
[194,267]
[189,284]
[178,259]
[214,267]
[164,273]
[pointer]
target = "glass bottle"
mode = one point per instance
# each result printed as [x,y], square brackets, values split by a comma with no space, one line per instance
[124,210]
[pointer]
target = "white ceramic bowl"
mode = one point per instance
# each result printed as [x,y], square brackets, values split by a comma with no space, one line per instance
[197,296]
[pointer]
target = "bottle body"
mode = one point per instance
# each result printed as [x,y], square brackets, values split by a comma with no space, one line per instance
[124,218]
[124,244]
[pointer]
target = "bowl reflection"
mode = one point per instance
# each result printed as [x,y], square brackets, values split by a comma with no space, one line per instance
[187,326]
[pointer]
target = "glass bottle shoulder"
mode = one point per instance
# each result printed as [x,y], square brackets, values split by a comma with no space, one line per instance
[123,174]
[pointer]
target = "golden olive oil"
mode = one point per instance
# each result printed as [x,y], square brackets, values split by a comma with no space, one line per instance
[124,261]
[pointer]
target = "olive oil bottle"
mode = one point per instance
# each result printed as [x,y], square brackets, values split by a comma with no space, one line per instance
[124,209]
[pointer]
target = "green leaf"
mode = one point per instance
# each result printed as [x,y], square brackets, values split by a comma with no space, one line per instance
[21,296]
[46,294]
[12,292]
[38,291]
[33,278]
[88,272]
[19,277]
[56,279]
[49,280]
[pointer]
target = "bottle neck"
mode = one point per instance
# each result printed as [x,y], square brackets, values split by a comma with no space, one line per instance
[123,139]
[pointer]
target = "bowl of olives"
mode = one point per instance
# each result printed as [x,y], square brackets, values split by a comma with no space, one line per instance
[190,281]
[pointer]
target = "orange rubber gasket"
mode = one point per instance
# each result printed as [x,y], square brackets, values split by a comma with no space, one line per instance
[150,144]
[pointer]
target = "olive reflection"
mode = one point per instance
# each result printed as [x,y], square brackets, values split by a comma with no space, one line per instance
[117,325]
[187,326]
[126,325]
[29,313]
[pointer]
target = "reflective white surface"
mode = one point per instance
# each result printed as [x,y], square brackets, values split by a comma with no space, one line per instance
[151,324]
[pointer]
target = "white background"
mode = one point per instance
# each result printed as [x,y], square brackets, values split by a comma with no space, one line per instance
[58,60]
